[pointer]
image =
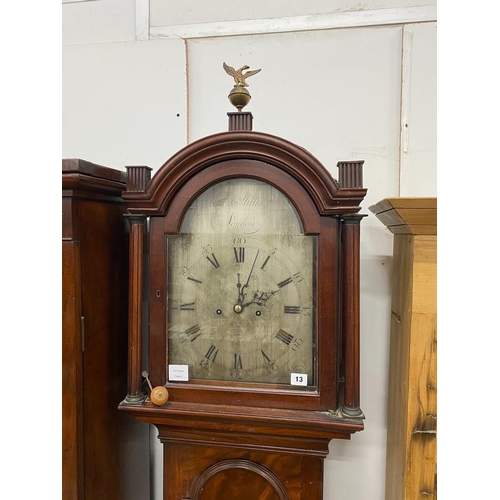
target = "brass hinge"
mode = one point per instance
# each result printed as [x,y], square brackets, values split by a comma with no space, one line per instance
[82,332]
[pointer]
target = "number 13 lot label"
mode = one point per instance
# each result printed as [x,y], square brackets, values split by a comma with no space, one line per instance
[298,379]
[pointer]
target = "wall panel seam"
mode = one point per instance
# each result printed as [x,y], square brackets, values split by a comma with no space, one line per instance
[406,57]
[368,18]
[142,20]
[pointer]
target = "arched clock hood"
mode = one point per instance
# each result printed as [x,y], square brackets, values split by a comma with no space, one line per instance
[330,196]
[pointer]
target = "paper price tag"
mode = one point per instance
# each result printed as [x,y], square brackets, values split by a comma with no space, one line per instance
[178,373]
[298,379]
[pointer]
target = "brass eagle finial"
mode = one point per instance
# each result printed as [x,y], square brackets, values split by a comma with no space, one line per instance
[238,75]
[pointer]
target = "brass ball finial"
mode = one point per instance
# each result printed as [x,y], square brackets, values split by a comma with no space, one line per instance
[239,96]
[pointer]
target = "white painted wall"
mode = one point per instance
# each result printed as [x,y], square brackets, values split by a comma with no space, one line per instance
[124,103]
[339,92]
[98,21]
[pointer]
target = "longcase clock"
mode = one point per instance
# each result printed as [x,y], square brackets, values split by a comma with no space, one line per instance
[248,252]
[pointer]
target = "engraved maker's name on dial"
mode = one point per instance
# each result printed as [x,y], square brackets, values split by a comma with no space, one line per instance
[242,219]
[243,224]
[246,201]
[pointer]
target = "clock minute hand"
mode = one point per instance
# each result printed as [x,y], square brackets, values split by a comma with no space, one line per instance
[242,294]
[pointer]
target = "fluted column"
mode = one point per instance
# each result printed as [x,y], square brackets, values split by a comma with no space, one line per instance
[135,396]
[350,314]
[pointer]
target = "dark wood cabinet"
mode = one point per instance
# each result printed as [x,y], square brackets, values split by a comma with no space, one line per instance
[94,329]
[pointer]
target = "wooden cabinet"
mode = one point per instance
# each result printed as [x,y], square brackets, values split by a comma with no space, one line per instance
[94,329]
[412,405]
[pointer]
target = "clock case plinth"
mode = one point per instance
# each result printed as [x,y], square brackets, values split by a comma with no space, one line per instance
[262,436]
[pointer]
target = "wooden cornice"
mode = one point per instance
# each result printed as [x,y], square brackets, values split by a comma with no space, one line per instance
[407,215]
[81,179]
[324,190]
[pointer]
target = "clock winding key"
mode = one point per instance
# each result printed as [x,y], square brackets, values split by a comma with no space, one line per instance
[159,394]
[145,374]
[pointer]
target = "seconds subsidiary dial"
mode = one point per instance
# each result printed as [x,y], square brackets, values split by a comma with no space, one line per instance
[240,286]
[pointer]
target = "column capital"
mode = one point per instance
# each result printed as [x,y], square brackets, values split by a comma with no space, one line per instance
[353,218]
[135,218]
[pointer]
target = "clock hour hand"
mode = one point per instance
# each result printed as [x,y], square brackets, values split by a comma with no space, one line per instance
[265,296]
[260,298]
[241,295]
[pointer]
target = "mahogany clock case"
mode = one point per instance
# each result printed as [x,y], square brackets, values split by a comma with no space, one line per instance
[246,439]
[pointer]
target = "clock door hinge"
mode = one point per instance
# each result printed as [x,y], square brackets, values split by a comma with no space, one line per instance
[82,333]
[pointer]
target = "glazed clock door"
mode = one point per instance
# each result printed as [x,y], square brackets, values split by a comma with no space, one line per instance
[234,291]
[241,281]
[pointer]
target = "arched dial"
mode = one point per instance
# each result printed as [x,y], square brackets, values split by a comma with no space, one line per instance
[241,305]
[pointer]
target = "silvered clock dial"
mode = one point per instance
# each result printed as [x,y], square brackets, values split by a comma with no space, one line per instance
[241,273]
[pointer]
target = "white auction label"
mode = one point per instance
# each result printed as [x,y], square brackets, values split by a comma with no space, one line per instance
[179,373]
[298,379]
